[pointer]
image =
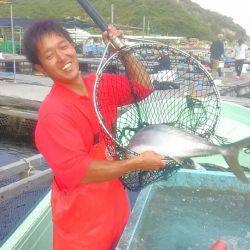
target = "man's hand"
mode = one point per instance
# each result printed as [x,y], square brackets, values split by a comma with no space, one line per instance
[111,34]
[149,160]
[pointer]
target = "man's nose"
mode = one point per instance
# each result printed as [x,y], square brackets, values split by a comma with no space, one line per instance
[60,56]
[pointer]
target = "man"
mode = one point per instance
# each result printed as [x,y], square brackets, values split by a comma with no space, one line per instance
[216,50]
[240,56]
[89,204]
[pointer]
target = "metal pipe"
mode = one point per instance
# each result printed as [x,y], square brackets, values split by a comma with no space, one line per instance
[13,40]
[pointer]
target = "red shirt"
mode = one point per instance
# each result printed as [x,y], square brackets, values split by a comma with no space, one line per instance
[85,216]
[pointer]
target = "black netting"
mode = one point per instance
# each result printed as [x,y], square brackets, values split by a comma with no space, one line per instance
[16,209]
[4,121]
[184,96]
[17,127]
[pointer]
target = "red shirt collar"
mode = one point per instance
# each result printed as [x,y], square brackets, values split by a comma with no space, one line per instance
[67,93]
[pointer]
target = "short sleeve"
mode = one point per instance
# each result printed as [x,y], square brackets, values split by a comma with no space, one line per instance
[62,146]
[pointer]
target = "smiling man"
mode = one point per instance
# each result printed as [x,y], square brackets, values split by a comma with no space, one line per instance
[89,204]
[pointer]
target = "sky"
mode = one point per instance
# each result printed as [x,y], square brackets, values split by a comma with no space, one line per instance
[239,10]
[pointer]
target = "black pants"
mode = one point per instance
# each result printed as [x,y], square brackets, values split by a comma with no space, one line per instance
[238,66]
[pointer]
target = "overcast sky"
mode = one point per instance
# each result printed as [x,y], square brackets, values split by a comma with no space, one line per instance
[239,10]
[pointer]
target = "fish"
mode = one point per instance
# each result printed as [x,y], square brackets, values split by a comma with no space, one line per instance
[180,145]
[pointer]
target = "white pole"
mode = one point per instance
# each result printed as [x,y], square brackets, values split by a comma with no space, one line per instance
[20,40]
[112,13]
[13,41]
[75,28]
[148,28]
[144,24]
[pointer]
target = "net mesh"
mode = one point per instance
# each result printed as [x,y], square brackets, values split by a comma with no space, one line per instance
[184,96]
[17,127]
[16,209]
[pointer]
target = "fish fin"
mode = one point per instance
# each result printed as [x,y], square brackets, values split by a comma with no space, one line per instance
[231,153]
[189,163]
[244,143]
[198,166]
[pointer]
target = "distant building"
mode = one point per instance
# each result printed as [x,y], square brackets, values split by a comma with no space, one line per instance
[25,22]
[75,26]
[78,35]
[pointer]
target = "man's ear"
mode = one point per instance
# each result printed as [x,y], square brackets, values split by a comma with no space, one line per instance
[39,70]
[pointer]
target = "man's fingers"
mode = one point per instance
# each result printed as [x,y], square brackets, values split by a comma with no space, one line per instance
[113,32]
[164,165]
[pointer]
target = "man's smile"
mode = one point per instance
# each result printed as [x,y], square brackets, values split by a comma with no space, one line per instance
[67,66]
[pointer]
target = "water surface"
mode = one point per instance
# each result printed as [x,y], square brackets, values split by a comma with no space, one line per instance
[179,219]
[14,151]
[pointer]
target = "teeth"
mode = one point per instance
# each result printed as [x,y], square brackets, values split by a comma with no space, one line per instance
[66,66]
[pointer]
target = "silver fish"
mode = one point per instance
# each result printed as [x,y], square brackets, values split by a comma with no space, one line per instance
[180,145]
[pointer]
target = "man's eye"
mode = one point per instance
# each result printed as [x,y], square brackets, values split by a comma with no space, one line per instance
[49,57]
[64,46]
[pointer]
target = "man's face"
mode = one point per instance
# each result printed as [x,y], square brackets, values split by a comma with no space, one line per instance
[58,58]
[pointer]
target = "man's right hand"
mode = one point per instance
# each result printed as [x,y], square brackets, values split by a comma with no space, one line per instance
[99,171]
[149,160]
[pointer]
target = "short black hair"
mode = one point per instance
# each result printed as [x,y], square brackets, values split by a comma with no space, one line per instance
[35,33]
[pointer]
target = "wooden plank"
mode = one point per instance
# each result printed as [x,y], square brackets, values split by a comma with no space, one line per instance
[20,166]
[234,88]
[238,100]
[17,102]
[32,182]
[19,113]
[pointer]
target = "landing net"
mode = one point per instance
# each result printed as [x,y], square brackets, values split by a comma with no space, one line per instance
[184,96]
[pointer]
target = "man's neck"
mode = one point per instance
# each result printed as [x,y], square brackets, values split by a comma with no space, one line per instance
[77,86]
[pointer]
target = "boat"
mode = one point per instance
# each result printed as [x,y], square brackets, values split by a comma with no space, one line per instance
[196,209]
[35,232]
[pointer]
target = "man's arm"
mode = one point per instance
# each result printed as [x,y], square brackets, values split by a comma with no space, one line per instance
[99,171]
[64,150]
[136,71]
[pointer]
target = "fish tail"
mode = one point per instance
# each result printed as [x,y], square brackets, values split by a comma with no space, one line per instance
[231,156]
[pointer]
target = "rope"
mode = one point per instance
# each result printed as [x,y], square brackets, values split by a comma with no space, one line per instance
[30,168]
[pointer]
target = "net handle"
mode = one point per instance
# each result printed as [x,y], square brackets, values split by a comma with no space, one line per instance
[98,20]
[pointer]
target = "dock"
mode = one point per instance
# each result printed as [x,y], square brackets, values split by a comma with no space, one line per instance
[19,102]
[235,90]
[231,86]
[29,91]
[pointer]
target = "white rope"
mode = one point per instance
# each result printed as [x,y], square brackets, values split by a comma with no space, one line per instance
[103,57]
[30,168]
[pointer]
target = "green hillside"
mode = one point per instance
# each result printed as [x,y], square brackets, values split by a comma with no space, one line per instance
[172,17]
